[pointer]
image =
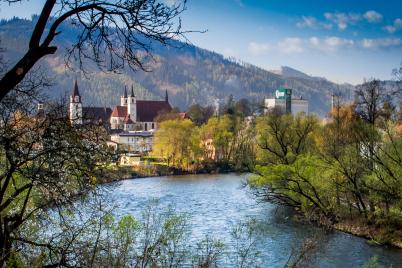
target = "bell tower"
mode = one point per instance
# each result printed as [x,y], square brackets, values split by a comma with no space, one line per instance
[132,106]
[75,106]
[123,99]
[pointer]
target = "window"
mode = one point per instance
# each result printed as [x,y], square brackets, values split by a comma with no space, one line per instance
[153,126]
[146,126]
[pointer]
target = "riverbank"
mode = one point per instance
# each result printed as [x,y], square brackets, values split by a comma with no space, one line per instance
[375,234]
[113,173]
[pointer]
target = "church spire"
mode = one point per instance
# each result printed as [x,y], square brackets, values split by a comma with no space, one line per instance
[75,89]
[125,92]
[75,95]
[166,96]
[132,91]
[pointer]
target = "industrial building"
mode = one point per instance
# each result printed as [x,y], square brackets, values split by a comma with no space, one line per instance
[284,103]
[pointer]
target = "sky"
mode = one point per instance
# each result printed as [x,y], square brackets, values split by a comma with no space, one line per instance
[342,40]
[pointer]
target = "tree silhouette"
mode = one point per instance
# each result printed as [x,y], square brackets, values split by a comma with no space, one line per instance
[113,33]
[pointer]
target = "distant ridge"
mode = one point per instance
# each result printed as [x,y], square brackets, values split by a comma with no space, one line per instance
[190,74]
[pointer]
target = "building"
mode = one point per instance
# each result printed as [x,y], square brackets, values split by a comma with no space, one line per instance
[284,103]
[81,115]
[133,141]
[130,115]
[130,159]
[133,114]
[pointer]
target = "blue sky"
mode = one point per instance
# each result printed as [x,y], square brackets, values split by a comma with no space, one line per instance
[345,41]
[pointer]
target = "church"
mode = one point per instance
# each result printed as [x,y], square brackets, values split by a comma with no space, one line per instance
[130,115]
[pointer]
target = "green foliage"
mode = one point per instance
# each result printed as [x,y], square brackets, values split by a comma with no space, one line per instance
[332,172]
[281,138]
[225,141]
[177,141]
[373,263]
[14,261]
[199,114]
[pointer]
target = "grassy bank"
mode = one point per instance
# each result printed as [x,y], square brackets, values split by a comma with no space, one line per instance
[378,235]
[149,168]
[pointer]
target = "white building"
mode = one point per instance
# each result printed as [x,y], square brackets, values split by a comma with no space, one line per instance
[283,96]
[133,114]
[130,115]
[133,141]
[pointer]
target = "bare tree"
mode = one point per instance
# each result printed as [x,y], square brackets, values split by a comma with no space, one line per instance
[45,161]
[113,33]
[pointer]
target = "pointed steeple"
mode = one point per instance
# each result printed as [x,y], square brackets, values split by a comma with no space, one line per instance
[125,91]
[132,91]
[75,89]
[166,96]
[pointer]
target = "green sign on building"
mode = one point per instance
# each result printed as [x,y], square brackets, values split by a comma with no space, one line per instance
[282,93]
[285,94]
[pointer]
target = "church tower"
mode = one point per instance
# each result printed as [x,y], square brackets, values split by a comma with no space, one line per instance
[75,106]
[166,96]
[132,106]
[123,99]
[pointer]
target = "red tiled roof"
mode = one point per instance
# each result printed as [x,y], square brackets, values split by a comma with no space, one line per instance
[148,110]
[119,111]
[182,115]
[128,120]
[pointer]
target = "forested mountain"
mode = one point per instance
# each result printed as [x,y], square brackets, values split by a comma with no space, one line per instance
[190,74]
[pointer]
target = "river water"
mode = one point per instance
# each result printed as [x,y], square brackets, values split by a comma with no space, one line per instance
[215,203]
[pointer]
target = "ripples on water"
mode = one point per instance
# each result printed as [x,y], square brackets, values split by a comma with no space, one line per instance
[215,203]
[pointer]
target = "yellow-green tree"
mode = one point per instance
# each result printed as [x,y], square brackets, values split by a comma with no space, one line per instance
[221,131]
[177,142]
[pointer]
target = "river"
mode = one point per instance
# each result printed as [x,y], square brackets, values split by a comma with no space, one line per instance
[215,203]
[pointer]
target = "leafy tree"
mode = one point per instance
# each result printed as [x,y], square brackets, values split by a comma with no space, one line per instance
[281,138]
[177,142]
[243,107]
[221,131]
[199,114]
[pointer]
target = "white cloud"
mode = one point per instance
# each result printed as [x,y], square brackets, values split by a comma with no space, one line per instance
[398,23]
[291,45]
[330,44]
[381,43]
[343,20]
[296,45]
[396,26]
[373,16]
[313,23]
[390,28]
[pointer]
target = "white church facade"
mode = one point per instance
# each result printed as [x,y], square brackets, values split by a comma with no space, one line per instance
[130,115]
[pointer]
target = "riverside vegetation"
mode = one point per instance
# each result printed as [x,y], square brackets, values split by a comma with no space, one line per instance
[344,174]
[53,215]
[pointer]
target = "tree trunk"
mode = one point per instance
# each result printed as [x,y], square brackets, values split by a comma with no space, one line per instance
[14,76]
